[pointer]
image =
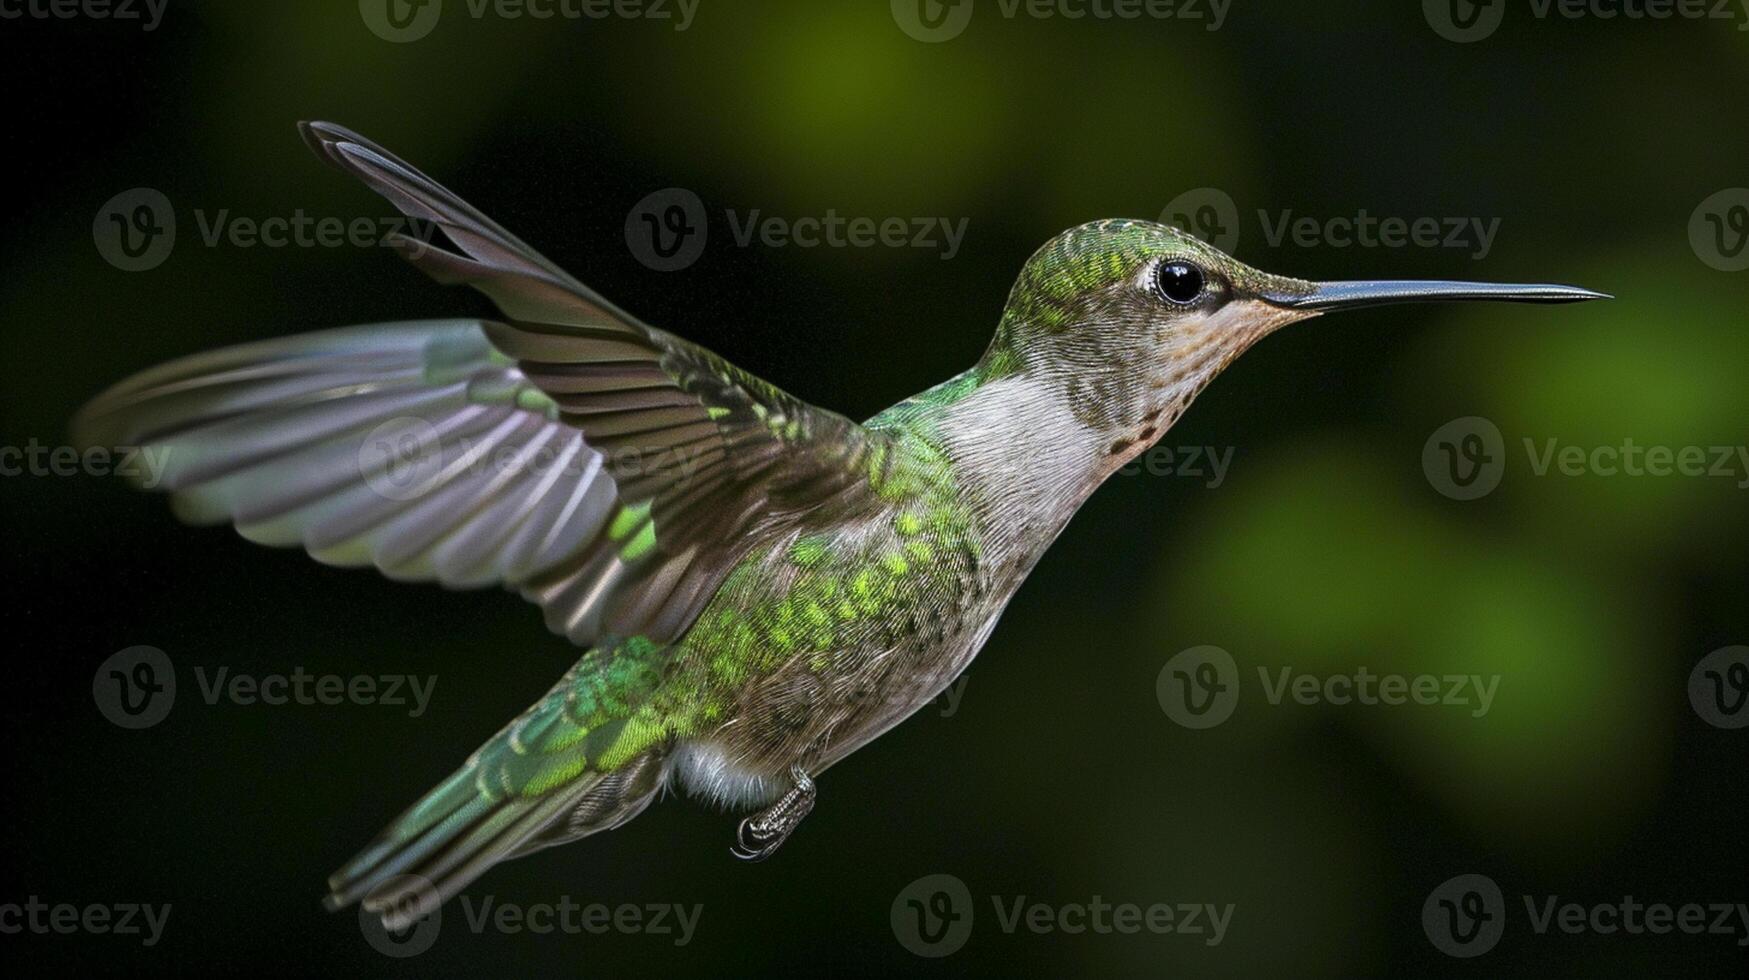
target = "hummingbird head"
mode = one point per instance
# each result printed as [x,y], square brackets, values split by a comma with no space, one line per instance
[1127,321]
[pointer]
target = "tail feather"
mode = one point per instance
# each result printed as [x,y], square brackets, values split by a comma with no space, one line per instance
[457,832]
[550,776]
[402,877]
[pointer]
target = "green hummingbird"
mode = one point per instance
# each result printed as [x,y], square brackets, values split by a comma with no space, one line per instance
[760,586]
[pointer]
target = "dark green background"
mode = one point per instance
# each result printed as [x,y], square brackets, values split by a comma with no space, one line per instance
[1059,777]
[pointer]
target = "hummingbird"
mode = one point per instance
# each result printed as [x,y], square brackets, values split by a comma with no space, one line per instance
[759,586]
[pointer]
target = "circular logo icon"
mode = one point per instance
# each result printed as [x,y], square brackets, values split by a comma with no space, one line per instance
[1207,213]
[1465,458]
[411,926]
[1719,230]
[135,688]
[1718,688]
[667,230]
[402,458]
[932,21]
[400,21]
[135,230]
[1199,687]
[932,916]
[1465,916]
[1464,21]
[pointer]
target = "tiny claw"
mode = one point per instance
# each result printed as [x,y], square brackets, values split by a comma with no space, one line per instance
[761,834]
[752,843]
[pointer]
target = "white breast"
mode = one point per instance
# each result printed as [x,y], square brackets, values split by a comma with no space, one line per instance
[706,772]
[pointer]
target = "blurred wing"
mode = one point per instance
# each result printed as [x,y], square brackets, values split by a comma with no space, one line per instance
[414,447]
[610,471]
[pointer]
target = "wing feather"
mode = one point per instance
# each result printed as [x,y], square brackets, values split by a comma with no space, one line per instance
[609,471]
[502,492]
[721,457]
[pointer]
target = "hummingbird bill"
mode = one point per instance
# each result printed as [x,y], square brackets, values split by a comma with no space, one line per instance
[757,586]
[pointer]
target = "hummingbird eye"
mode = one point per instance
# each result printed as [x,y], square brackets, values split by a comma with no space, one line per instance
[1180,282]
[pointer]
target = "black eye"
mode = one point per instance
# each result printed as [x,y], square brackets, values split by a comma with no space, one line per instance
[1179,282]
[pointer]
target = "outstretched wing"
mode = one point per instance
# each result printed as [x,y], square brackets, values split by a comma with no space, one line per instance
[608,470]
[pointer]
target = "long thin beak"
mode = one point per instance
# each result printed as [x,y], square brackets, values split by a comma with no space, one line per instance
[1325,297]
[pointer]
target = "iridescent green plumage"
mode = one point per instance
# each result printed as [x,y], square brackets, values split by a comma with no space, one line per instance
[760,586]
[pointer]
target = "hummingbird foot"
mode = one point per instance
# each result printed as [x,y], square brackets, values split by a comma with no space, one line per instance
[762,834]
